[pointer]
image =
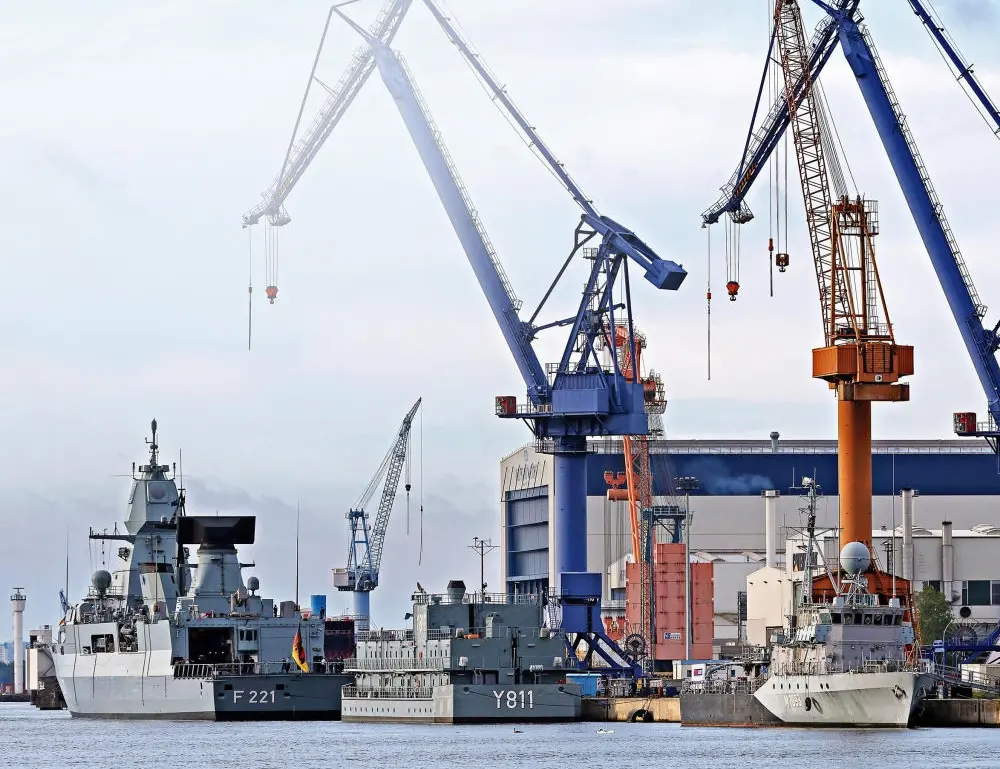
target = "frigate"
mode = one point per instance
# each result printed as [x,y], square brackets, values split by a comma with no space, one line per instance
[467,658]
[166,635]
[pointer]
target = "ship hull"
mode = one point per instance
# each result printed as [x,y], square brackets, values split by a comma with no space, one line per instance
[471,704]
[879,700]
[724,709]
[280,697]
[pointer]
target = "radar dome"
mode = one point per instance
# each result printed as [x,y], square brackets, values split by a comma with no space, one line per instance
[253,584]
[855,558]
[101,580]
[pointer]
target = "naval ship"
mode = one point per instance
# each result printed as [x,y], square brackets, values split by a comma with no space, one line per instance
[842,663]
[478,658]
[170,636]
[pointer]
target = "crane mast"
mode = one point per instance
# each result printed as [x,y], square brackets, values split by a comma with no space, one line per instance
[364,557]
[860,360]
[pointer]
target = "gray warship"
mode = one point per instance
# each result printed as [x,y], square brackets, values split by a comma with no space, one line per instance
[171,638]
[468,658]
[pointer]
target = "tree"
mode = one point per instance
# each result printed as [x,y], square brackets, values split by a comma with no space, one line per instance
[933,614]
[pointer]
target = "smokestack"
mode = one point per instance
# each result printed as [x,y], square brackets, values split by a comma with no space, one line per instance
[947,560]
[771,526]
[774,440]
[17,604]
[908,495]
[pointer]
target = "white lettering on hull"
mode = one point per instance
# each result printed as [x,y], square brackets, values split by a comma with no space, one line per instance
[515,700]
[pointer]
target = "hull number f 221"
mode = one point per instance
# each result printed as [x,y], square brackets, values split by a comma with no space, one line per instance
[253,697]
[513,699]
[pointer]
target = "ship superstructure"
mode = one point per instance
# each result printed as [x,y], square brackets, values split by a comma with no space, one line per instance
[166,635]
[467,658]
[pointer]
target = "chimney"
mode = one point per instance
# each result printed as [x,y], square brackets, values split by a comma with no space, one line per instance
[17,604]
[774,440]
[908,495]
[947,560]
[771,526]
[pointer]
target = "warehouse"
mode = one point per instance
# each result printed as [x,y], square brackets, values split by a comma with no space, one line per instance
[957,480]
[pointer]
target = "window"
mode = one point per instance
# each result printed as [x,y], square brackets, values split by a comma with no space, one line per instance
[935,585]
[996,592]
[976,592]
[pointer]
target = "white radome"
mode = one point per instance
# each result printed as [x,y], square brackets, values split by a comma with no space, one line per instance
[855,558]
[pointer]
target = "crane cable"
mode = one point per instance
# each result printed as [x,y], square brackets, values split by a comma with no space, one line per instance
[708,298]
[249,287]
[420,554]
[772,163]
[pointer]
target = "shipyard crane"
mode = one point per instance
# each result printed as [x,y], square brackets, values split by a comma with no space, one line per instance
[364,556]
[576,398]
[860,358]
[843,24]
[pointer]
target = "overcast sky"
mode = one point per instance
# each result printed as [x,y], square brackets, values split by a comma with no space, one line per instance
[134,135]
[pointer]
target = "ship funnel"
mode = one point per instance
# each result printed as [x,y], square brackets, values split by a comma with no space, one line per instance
[456,590]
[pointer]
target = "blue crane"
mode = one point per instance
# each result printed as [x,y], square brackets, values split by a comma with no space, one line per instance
[843,24]
[580,396]
[368,539]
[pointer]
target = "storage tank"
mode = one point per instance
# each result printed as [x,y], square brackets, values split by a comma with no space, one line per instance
[318,605]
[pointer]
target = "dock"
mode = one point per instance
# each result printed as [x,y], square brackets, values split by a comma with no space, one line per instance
[632,709]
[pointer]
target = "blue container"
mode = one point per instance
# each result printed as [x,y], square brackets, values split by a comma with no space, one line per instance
[586,681]
[318,605]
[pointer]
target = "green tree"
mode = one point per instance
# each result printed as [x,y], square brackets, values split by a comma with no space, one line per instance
[933,614]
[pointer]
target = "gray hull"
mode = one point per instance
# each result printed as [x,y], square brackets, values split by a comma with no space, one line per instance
[470,704]
[724,709]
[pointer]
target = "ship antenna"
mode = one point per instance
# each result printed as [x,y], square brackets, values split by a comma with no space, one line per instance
[296,554]
[153,447]
[181,501]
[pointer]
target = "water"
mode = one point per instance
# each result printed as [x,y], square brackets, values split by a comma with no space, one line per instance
[35,740]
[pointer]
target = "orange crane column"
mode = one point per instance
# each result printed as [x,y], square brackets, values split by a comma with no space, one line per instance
[854,470]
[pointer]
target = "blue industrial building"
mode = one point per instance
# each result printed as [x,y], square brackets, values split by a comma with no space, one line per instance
[958,480]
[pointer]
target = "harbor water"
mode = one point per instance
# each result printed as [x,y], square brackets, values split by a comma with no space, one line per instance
[52,740]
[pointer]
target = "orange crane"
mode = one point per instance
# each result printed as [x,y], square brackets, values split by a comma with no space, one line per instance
[860,359]
[637,479]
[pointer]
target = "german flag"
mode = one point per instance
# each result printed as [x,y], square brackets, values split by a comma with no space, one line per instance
[299,652]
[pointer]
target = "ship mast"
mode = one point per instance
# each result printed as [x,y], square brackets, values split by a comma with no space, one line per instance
[807,578]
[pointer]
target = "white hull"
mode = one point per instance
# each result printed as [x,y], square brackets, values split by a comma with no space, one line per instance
[116,685]
[883,699]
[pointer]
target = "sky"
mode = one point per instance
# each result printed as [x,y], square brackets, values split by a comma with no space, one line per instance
[135,135]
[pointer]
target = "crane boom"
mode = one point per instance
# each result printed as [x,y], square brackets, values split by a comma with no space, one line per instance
[761,143]
[464,218]
[301,153]
[963,68]
[968,310]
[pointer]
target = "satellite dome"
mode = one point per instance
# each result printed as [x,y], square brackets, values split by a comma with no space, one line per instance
[253,584]
[101,580]
[855,558]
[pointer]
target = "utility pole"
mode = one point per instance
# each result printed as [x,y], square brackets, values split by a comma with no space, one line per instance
[482,546]
[687,484]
